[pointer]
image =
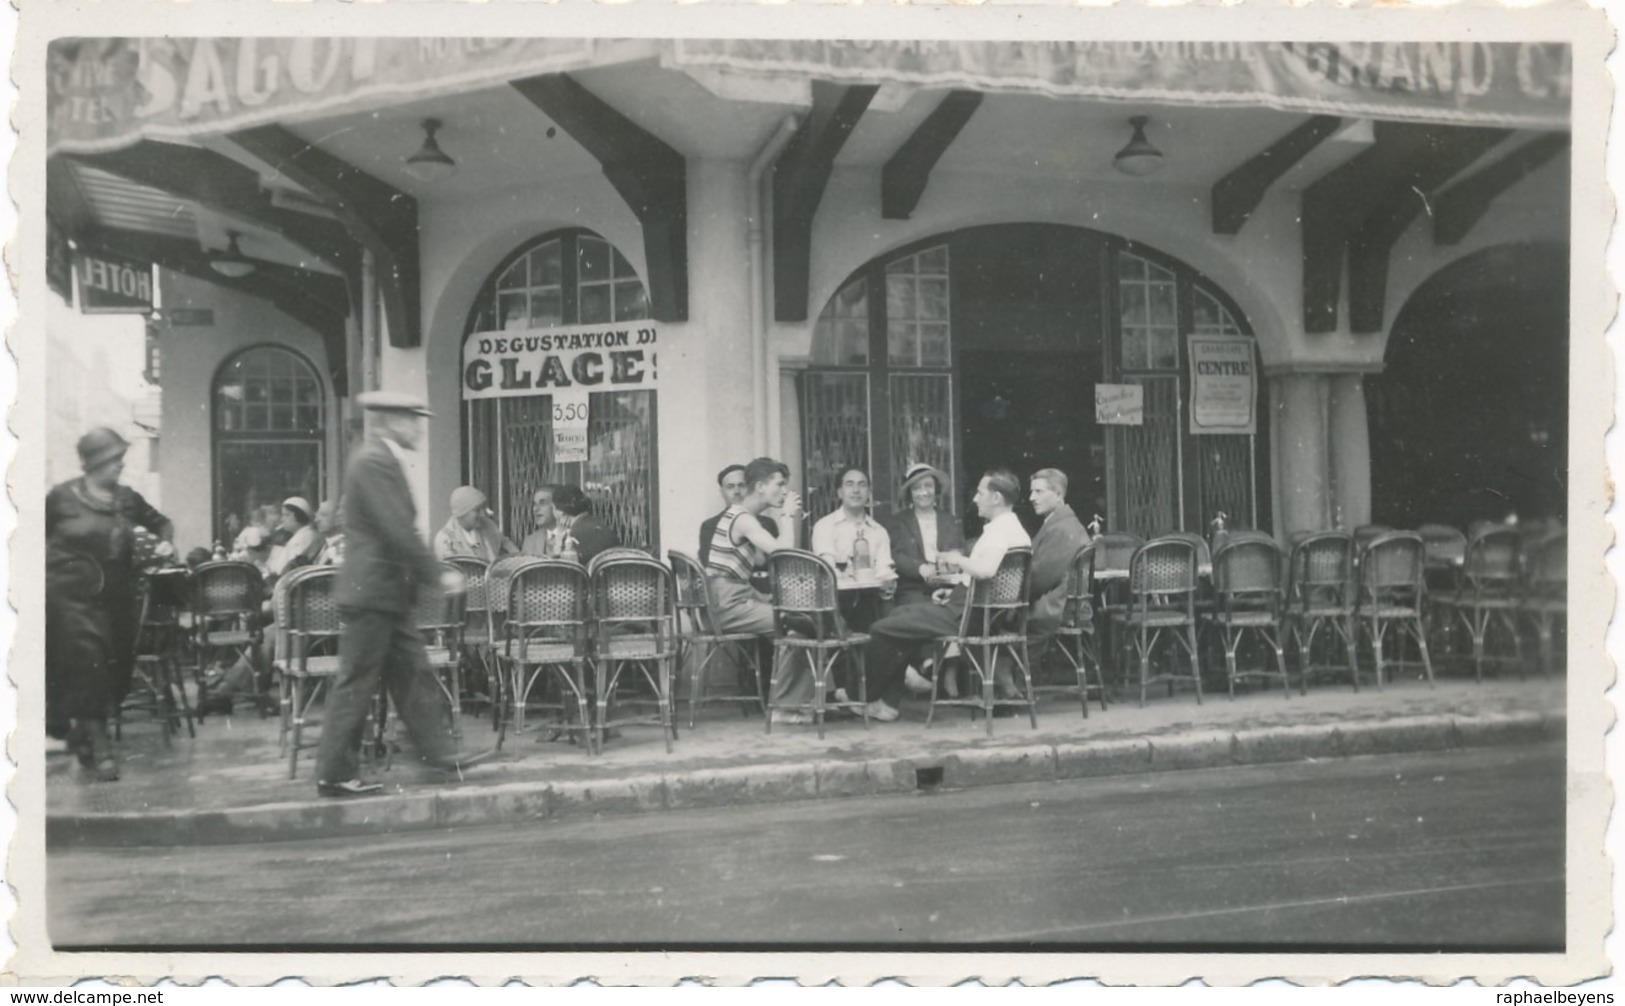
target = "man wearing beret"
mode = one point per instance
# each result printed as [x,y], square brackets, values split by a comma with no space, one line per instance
[385,566]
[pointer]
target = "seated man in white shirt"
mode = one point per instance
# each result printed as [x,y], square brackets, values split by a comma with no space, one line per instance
[836,537]
[897,637]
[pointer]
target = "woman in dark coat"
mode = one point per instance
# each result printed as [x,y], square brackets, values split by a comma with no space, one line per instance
[90,597]
[919,533]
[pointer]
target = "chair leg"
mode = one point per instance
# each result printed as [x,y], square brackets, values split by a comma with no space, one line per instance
[1230,645]
[1422,647]
[820,667]
[1196,665]
[1026,668]
[296,728]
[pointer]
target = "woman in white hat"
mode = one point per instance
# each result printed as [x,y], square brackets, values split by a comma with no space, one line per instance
[303,542]
[471,531]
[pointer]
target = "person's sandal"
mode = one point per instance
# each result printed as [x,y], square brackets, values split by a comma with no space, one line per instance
[349,788]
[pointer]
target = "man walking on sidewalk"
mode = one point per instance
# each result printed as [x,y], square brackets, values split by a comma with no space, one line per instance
[385,566]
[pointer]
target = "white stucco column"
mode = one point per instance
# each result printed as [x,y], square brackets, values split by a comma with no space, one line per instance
[1304,474]
[1349,437]
[706,418]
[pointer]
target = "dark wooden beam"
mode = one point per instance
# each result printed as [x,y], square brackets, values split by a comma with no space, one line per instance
[647,172]
[318,301]
[799,178]
[1452,150]
[381,218]
[903,180]
[219,184]
[1237,194]
[65,201]
[1458,209]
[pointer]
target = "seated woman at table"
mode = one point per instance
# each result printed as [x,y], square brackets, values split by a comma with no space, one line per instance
[920,534]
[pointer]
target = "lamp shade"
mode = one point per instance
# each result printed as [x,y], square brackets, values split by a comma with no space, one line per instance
[232,262]
[429,163]
[1139,158]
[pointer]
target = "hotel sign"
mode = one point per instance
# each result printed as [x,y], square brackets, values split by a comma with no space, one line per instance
[579,359]
[1224,384]
[112,284]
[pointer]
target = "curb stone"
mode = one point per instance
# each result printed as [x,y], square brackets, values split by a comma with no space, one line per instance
[519,802]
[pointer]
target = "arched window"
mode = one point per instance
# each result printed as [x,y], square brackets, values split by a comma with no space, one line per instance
[569,277]
[270,434]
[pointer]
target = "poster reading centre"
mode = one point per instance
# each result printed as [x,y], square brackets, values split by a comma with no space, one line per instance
[1224,385]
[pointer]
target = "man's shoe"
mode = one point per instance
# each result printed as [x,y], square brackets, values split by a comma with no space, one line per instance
[841,696]
[459,762]
[878,710]
[349,788]
[792,717]
[916,682]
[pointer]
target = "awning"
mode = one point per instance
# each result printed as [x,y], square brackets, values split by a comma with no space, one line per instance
[1520,85]
[107,93]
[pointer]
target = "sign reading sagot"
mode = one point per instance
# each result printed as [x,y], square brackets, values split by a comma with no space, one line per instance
[1224,385]
[1519,84]
[586,358]
[105,93]
[112,284]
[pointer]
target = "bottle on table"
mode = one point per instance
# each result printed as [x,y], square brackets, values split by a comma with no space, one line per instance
[569,552]
[862,558]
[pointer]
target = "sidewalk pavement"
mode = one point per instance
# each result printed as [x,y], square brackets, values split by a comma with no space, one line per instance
[230,785]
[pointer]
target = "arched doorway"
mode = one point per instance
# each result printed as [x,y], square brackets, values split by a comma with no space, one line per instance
[1469,417]
[270,434]
[985,346]
[562,278]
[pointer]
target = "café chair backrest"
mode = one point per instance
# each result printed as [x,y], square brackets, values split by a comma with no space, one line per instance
[1391,567]
[805,594]
[694,599]
[438,610]
[499,578]
[1115,549]
[998,604]
[310,608]
[475,574]
[1162,568]
[1548,566]
[1492,563]
[631,588]
[1248,568]
[546,594]
[1442,544]
[1321,570]
[1080,584]
[614,553]
[1204,555]
[222,589]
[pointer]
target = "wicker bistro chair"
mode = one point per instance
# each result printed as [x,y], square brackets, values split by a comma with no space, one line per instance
[440,616]
[309,628]
[992,627]
[1320,593]
[1546,591]
[226,598]
[700,642]
[476,632]
[160,688]
[1075,637]
[634,612]
[1113,553]
[1489,594]
[546,625]
[1391,590]
[807,625]
[1162,589]
[1247,582]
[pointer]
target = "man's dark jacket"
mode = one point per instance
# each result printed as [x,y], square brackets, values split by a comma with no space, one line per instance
[385,562]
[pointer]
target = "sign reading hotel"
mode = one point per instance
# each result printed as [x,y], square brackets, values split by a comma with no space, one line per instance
[580,359]
[112,284]
[1120,404]
[1224,385]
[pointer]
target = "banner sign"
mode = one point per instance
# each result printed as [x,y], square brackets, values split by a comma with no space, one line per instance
[112,284]
[608,357]
[570,425]
[1224,384]
[105,93]
[1120,404]
[1515,84]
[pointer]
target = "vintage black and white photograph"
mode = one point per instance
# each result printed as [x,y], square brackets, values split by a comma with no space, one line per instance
[1050,494]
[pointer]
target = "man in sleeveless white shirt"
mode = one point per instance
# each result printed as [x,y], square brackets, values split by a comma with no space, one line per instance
[895,638]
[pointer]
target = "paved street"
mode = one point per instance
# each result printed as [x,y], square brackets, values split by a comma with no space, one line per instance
[1452,850]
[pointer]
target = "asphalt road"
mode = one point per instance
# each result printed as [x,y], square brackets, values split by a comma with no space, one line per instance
[1451,851]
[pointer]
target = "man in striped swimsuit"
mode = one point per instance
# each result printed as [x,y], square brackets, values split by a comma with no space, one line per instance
[740,544]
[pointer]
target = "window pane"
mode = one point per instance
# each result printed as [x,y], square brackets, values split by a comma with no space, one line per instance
[1133,304]
[546,265]
[934,345]
[592,259]
[630,301]
[513,277]
[594,304]
[546,308]
[1157,273]
[623,268]
[854,343]
[1134,348]
[1166,345]
[511,309]
[1131,267]
[933,261]
[902,347]
[1162,304]
[899,297]
[934,299]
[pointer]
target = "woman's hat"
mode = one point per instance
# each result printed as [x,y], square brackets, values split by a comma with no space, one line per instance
[464,499]
[100,446]
[917,472]
[300,505]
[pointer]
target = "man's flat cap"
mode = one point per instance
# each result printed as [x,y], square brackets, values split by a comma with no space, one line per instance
[392,401]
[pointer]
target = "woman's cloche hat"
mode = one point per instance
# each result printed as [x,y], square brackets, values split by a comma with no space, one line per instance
[100,446]
[917,472]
